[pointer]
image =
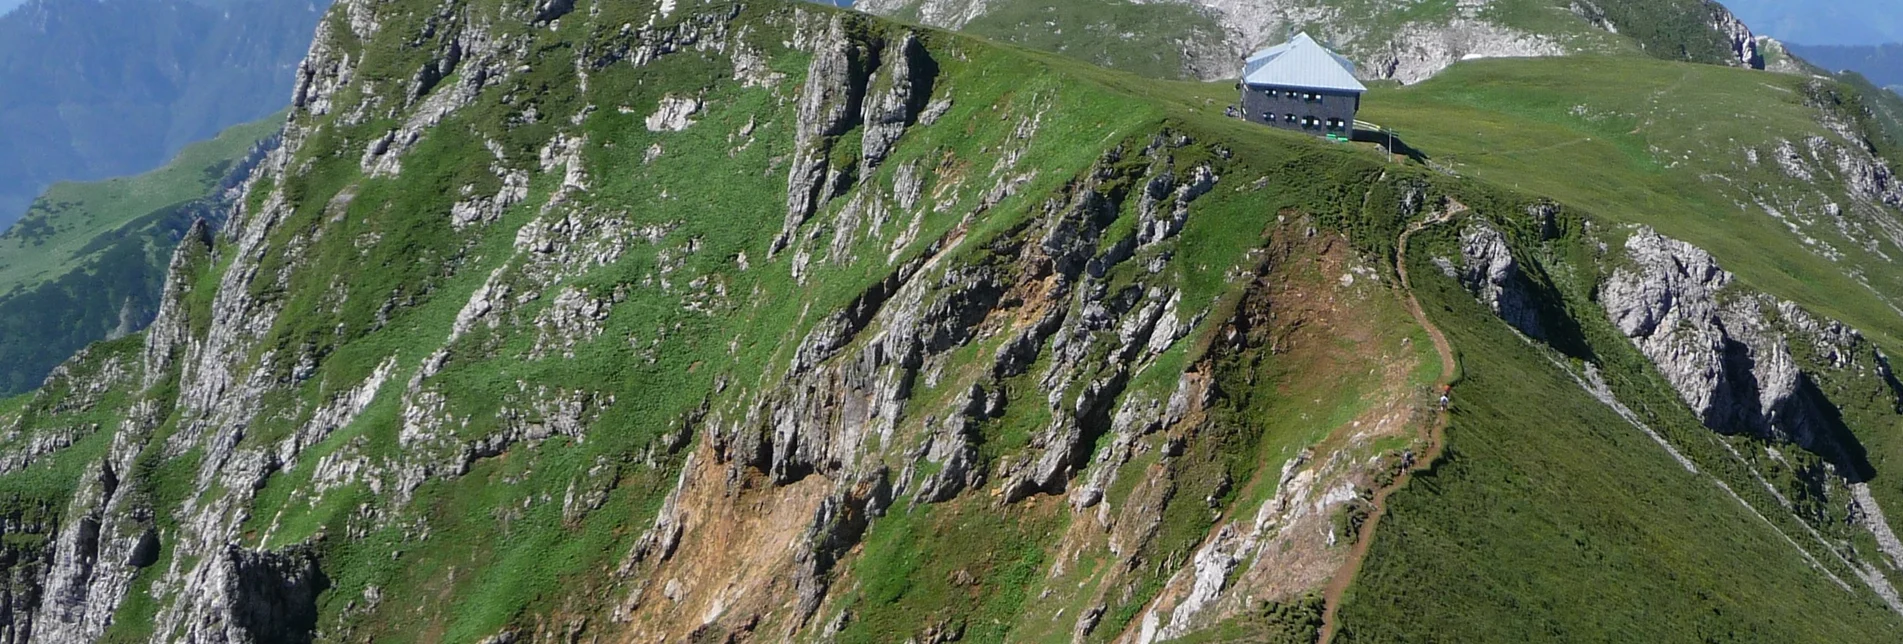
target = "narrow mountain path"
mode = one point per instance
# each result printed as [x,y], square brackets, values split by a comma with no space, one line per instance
[1436,435]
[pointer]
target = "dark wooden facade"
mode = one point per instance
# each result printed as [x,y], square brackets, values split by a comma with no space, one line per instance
[1316,111]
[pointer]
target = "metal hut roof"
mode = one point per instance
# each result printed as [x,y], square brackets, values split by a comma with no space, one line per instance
[1302,62]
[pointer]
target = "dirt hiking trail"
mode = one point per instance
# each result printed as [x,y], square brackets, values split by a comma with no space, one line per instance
[1436,434]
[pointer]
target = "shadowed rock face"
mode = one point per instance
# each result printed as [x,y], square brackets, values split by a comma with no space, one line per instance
[1489,271]
[273,595]
[1728,351]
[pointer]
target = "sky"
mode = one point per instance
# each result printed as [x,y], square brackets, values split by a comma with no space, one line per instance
[1820,22]
[8,5]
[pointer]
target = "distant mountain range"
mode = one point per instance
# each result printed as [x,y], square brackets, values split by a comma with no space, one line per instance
[92,89]
[1883,64]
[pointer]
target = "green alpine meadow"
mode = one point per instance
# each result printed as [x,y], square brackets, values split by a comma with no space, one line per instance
[699,321]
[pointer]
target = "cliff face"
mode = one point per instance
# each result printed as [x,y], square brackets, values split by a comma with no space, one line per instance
[699,321]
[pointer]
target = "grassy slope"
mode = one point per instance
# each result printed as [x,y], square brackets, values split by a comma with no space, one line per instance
[527,561]
[1662,144]
[1146,39]
[1559,521]
[1546,501]
[1638,141]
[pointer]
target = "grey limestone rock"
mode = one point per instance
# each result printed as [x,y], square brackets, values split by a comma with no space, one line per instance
[899,93]
[1728,351]
[829,105]
[674,114]
[1489,271]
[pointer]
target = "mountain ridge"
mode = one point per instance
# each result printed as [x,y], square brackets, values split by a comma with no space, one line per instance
[1401,41]
[780,322]
[1882,65]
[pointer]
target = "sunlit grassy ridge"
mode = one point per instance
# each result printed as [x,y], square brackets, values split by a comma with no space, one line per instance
[1534,487]
[1553,519]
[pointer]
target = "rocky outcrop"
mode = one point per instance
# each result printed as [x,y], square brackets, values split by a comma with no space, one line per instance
[847,400]
[899,92]
[1405,48]
[1412,52]
[1743,43]
[1489,271]
[1668,305]
[75,553]
[1418,51]
[1778,58]
[23,556]
[259,597]
[951,14]
[830,104]
[170,331]
[674,114]
[470,53]
[1728,352]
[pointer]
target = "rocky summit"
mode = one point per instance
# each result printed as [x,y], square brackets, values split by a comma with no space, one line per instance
[695,321]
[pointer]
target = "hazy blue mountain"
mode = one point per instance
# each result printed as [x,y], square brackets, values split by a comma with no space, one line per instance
[1883,65]
[92,89]
[1826,22]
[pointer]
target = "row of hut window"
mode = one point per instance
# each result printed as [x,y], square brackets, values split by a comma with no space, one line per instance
[1306,96]
[1308,121]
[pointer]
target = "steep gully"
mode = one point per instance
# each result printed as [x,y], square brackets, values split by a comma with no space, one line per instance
[1436,435]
